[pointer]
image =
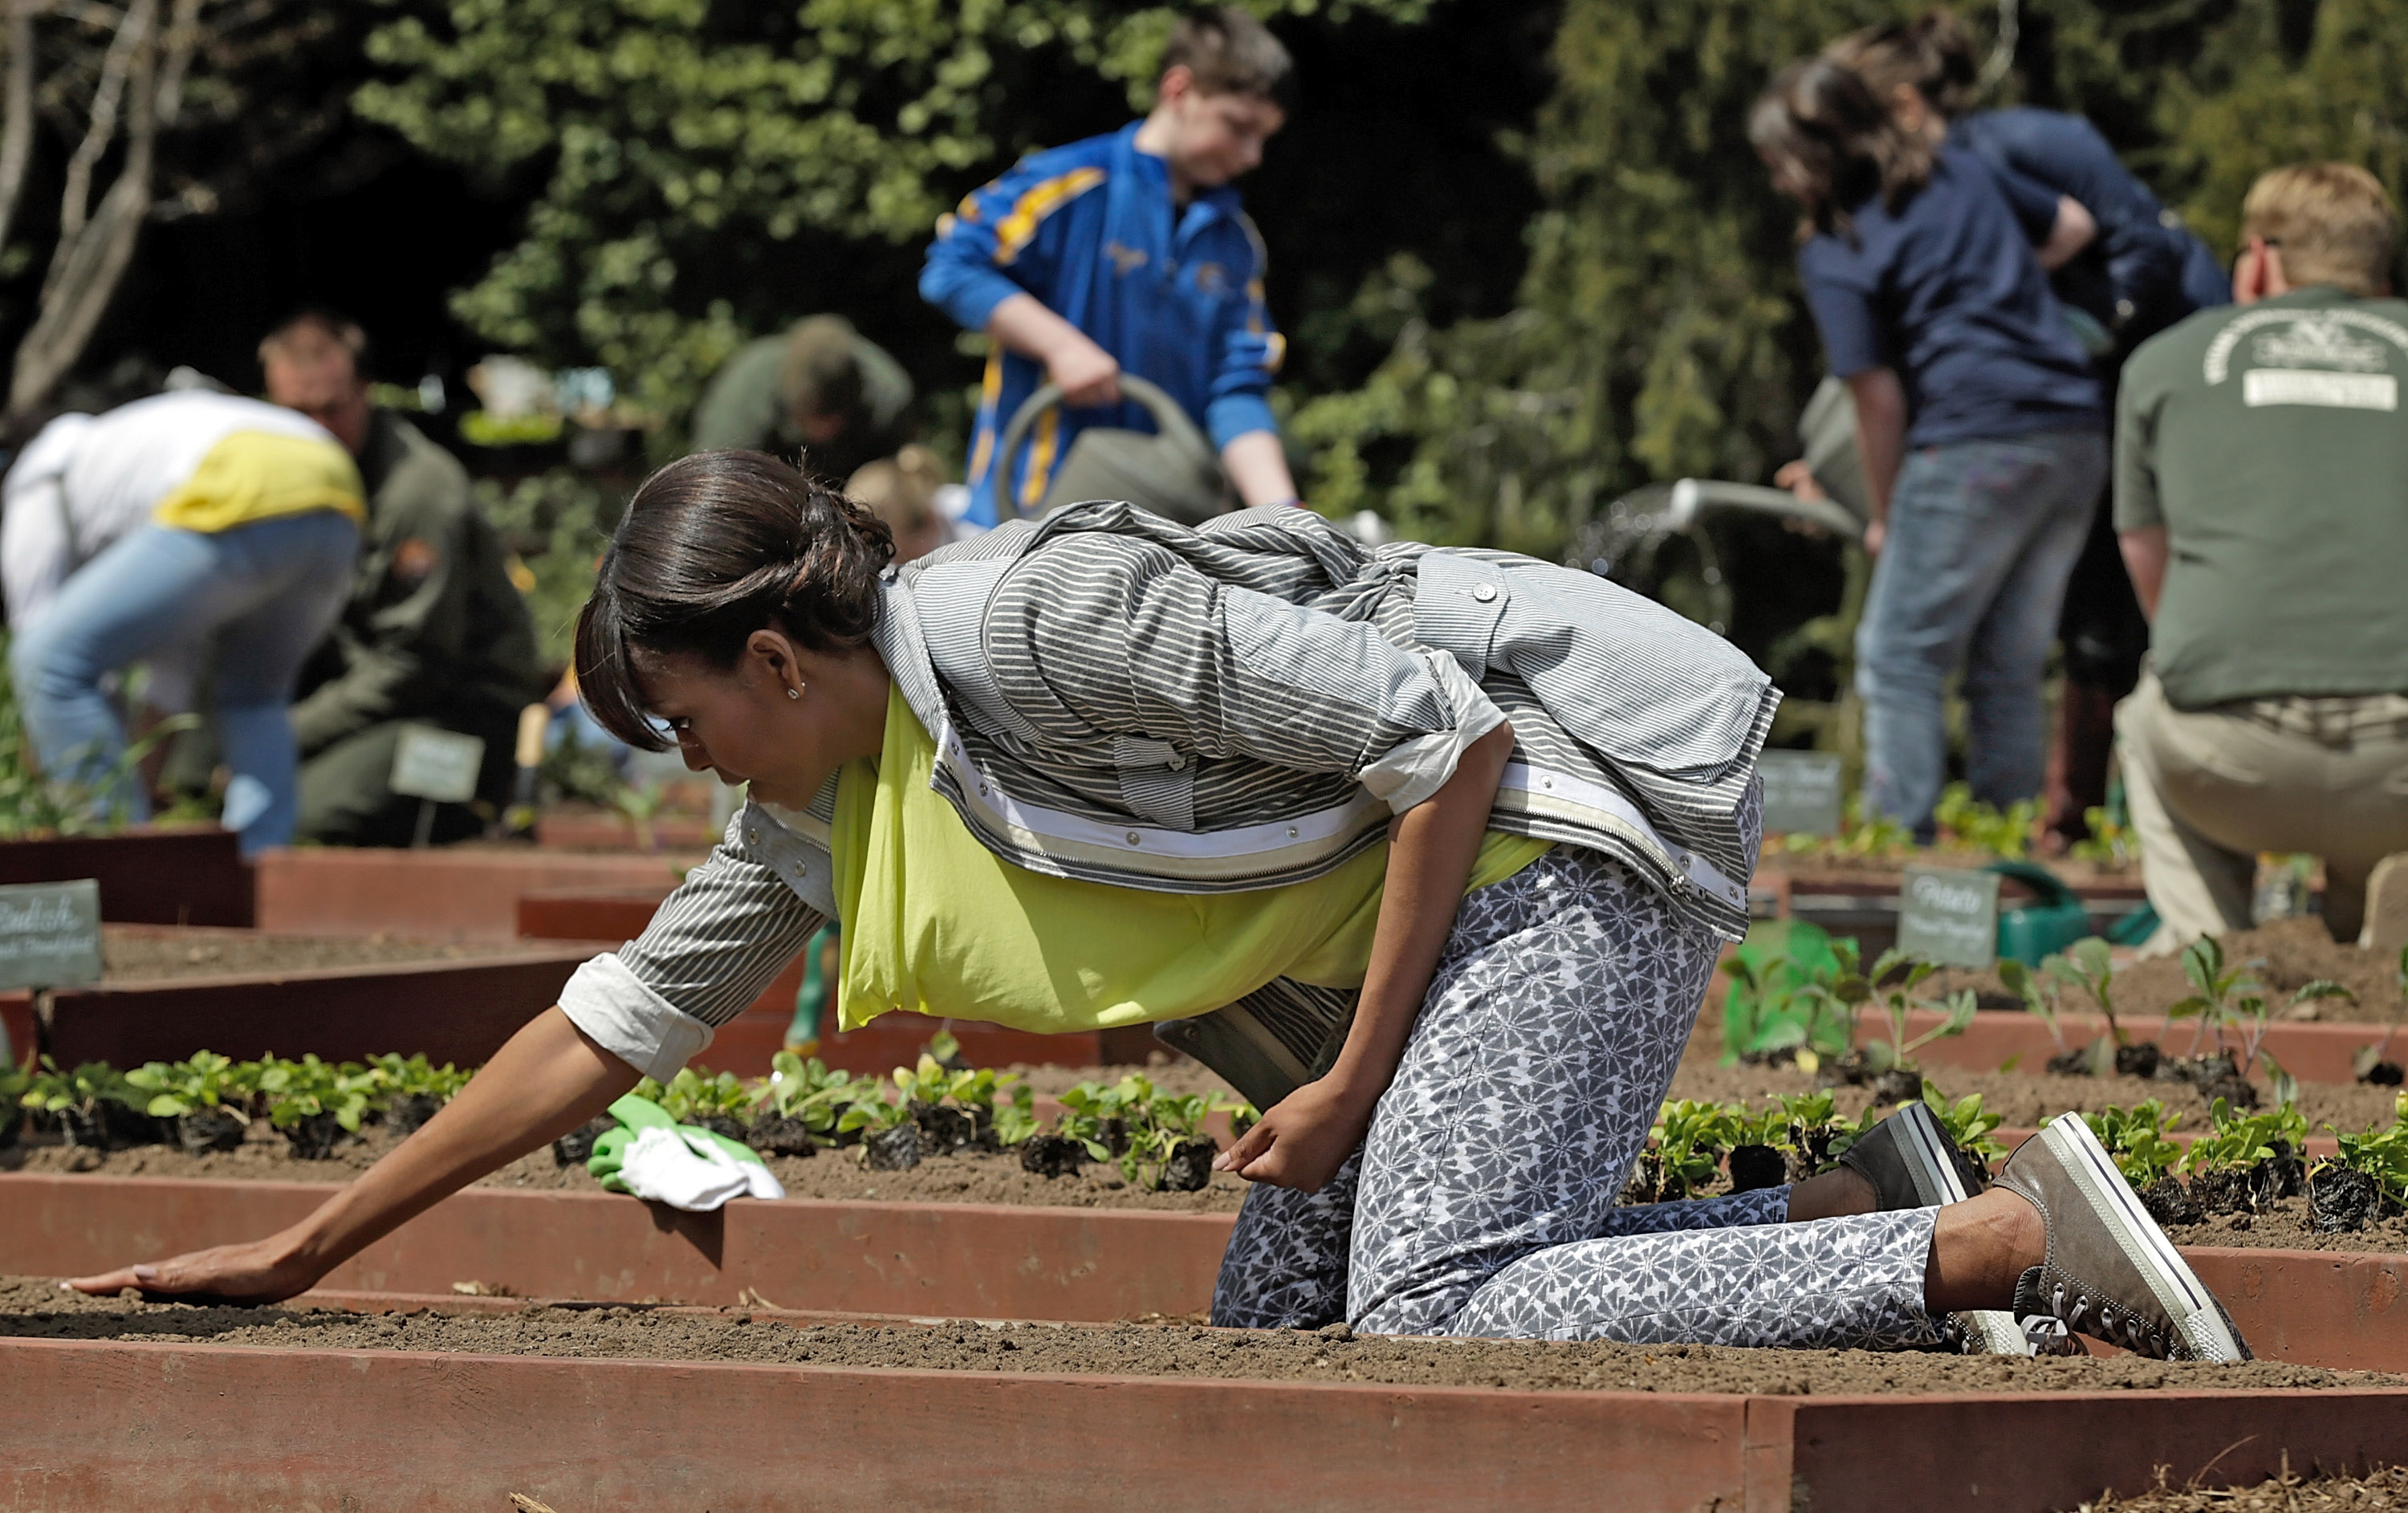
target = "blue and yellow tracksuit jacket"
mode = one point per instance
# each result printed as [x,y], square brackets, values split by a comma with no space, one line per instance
[1089,230]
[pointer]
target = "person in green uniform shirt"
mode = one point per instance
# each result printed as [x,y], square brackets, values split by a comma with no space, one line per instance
[820,387]
[2262,495]
[435,632]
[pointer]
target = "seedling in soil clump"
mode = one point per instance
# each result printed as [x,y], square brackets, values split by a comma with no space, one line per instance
[2372,1063]
[94,1105]
[1170,1150]
[2136,1140]
[2367,1181]
[720,1103]
[799,1095]
[2233,1003]
[413,1090]
[1053,1155]
[2246,1162]
[1888,1065]
[2088,964]
[313,1104]
[890,1137]
[1783,1003]
[206,1100]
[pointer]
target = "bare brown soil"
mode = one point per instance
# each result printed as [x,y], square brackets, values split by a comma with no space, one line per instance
[2283,956]
[36,1308]
[141,954]
[2385,1488]
[2283,1225]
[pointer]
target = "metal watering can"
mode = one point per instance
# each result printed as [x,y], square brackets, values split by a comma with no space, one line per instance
[1174,474]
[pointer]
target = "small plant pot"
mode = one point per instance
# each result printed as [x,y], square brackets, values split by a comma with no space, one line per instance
[312,1136]
[1052,1155]
[209,1129]
[1754,1166]
[2221,1193]
[2137,1061]
[722,1124]
[576,1148]
[2281,1176]
[779,1136]
[107,1126]
[2342,1201]
[2383,1075]
[1190,1166]
[943,1131]
[894,1149]
[409,1110]
[2071,1062]
[2170,1203]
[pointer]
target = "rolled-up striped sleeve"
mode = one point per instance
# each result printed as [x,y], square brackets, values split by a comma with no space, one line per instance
[1096,633]
[713,944]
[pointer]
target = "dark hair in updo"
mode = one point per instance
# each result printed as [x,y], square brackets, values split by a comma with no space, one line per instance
[715,546]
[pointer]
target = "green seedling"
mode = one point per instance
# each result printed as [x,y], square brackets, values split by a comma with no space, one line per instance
[874,1109]
[692,1096]
[2366,1058]
[2088,965]
[414,1077]
[1170,1122]
[1691,1137]
[2381,1153]
[805,1090]
[1861,834]
[1791,988]
[2040,997]
[1015,1116]
[1967,1124]
[207,1081]
[1092,1113]
[2109,844]
[1976,826]
[2135,1140]
[1896,976]
[2233,1003]
[81,1091]
[302,1089]
[2236,1142]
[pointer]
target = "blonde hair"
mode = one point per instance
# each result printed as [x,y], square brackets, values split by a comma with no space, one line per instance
[2333,222]
[900,489]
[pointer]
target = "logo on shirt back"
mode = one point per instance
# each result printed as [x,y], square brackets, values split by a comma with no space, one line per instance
[2312,357]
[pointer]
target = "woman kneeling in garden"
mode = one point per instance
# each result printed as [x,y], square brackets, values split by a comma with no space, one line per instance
[1444,842]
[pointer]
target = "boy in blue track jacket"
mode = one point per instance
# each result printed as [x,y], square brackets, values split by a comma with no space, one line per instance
[1129,252]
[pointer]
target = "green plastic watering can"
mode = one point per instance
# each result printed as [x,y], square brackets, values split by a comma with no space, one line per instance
[2052,921]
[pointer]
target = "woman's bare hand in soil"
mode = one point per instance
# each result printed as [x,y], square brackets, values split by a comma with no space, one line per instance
[261,1271]
[1302,1140]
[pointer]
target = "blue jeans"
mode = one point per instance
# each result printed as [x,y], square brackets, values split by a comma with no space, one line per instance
[259,596]
[1983,536]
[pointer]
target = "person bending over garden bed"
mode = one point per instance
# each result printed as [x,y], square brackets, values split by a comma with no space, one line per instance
[1479,823]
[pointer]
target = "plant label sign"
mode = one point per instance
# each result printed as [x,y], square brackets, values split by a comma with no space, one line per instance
[437,765]
[49,935]
[1951,917]
[1801,792]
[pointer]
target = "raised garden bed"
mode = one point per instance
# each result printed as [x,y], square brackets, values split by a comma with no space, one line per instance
[170,991]
[407,1412]
[453,893]
[146,876]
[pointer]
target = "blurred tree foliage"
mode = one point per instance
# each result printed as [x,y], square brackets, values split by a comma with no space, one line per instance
[690,152]
[1660,333]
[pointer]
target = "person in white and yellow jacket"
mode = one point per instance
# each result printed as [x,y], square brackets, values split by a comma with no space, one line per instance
[160,532]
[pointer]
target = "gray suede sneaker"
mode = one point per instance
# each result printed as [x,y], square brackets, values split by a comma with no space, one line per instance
[2111,1273]
[1912,1164]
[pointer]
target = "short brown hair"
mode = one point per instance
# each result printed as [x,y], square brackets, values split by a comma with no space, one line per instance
[341,330]
[1230,53]
[1934,52]
[2333,222]
[820,375]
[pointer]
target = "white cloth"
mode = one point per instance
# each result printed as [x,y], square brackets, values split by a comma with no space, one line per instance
[85,481]
[687,1169]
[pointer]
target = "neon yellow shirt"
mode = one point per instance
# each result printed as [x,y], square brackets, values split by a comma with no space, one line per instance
[261,475]
[936,923]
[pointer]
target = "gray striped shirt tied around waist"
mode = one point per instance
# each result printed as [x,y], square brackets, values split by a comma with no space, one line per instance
[1119,699]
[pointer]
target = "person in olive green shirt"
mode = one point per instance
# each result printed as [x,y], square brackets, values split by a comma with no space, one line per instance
[2261,496]
[435,632]
[822,387]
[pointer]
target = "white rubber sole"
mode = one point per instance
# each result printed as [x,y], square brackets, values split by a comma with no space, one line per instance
[2177,1289]
[1931,1166]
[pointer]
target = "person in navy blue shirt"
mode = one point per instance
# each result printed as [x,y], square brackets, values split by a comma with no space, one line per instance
[1129,252]
[2143,272]
[1978,419]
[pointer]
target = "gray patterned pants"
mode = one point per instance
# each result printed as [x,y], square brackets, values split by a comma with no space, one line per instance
[1483,1202]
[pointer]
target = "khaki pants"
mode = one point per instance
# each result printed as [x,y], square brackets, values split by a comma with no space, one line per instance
[2210,789]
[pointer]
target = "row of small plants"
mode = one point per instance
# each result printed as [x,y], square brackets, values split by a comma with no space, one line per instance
[206,1102]
[1963,822]
[2246,1161]
[1801,999]
[940,1107]
[1788,1139]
